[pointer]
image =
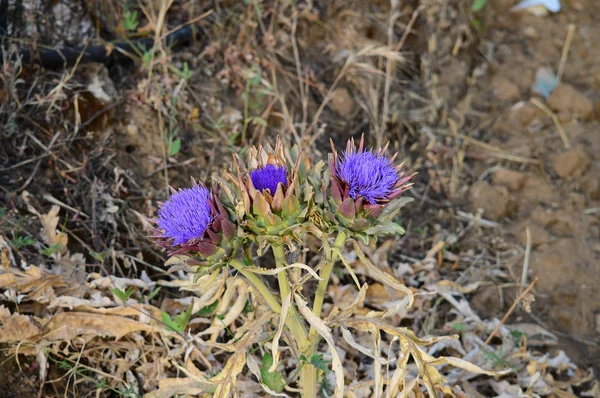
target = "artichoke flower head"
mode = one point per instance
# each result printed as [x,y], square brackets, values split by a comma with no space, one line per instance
[270,194]
[194,223]
[363,191]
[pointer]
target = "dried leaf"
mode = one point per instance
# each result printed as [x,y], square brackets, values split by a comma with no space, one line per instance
[383,277]
[16,328]
[50,235]
[274,271]
[168,388]
[324,331]
[68,325]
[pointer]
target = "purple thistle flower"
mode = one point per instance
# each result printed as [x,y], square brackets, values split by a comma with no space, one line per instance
[368,175]
[186,215]
[269,177]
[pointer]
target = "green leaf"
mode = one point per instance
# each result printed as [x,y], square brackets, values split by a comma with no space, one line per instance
[175,146]
[318,362]
[55,248]
[478,5]
[178,322]
[122,295]
[459,326]
[21,241]
[100,256]
[385,228]
[273,380]
[153,293]
[209,309]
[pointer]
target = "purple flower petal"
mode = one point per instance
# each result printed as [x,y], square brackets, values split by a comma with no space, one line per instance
[268,177]
[186,215]
[368,175]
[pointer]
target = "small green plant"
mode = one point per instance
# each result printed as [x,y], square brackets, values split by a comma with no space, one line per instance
[478,5]
[100,256]
[21,241]
[52,249]
[122,295]
[178,322]
[496,359]
[173,143]
[209,309]
[152,294]
[130,20]
[518,336]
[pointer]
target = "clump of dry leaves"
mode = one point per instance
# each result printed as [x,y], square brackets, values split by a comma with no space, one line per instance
[214,339]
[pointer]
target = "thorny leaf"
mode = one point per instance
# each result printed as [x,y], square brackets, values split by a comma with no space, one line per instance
[272,379]
[178,322]
[318,362]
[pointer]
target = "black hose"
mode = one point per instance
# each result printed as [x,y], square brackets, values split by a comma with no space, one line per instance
[65,57]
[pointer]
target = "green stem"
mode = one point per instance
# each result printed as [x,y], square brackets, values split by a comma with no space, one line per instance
[308,374]
[296,327]
[330,260]
[308,377]
[258,284]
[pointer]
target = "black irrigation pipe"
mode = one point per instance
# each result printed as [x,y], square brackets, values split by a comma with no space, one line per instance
[50,58]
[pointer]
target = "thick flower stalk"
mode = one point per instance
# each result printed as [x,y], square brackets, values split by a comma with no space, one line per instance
[194,222]
[364,189]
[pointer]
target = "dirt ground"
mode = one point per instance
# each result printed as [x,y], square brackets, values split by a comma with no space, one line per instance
[506,176]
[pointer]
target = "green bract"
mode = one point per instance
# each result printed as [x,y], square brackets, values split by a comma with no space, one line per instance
[282,217]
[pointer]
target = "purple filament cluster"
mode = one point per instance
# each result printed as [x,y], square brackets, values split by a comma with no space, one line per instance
[268,177]
[368,175]
[186,215]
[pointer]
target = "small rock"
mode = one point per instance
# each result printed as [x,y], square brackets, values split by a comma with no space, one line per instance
[504,89]
[511,179]
[571,163]
[575,201]
[536,191]
[132,130]
[590,185]
[597,79]
[565,99]
[495,201]
[342,102]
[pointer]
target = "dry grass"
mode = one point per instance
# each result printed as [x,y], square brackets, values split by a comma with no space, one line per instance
[79,298]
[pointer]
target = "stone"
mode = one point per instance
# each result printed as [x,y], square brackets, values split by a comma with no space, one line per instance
[565,99]
[597,79]
[504,89]
[495,201]
[342,102]
[572,163]
[511,179]
[590,185]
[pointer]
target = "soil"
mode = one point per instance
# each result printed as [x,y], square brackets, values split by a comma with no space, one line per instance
[461,114]
[557,198]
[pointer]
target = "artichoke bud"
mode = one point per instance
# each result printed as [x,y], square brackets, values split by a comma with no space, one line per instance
[270,184]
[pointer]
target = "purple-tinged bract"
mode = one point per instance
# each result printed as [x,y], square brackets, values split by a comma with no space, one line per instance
[269,177]
[186,215]
[368,175]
